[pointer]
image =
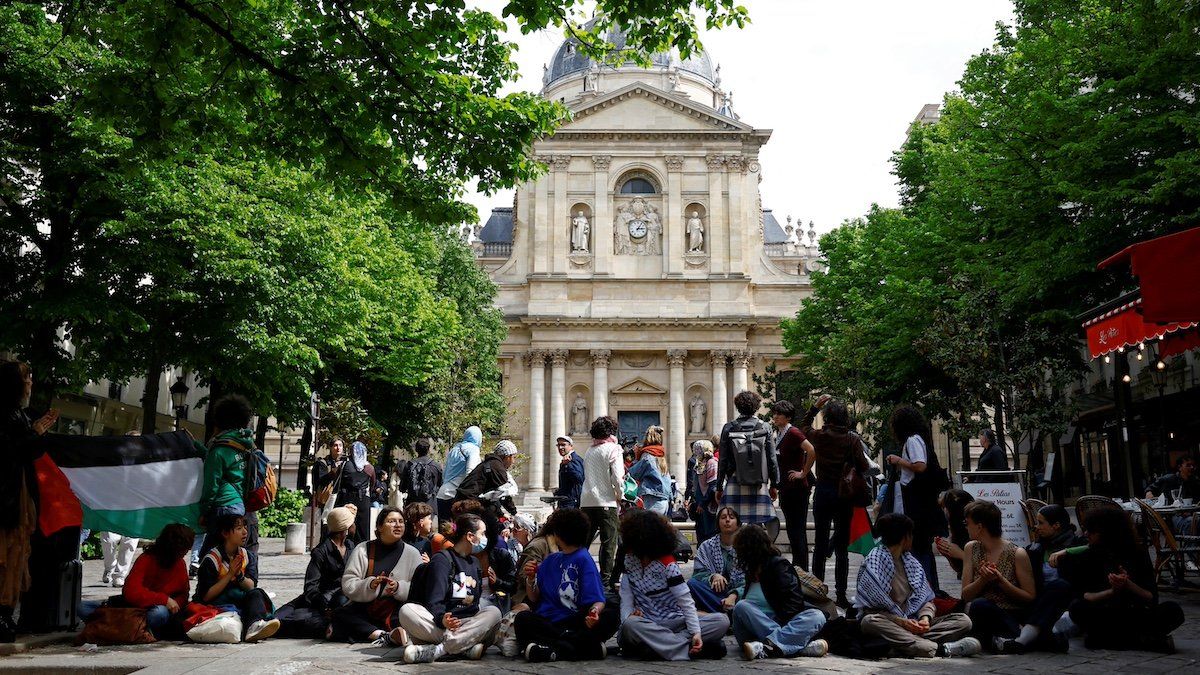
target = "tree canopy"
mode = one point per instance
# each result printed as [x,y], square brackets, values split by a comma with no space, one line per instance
[1074,134]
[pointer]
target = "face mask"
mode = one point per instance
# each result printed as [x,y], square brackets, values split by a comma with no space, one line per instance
[478,548]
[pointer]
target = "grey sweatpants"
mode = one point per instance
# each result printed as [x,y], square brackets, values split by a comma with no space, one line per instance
[418,622]
[942,629]
[670,639]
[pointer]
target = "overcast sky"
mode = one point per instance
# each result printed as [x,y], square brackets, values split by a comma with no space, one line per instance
[837,82]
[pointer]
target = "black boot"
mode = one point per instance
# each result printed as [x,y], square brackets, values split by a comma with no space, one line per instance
[8,629]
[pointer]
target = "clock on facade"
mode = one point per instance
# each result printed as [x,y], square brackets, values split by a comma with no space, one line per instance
[637,228]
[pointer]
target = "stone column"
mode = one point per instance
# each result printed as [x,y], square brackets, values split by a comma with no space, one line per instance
[741,365]
[677,416]
[602,234]
[600,382]
[675,241]
[720,396]
[558,401]
[536,360]
[736,176]
[560,219]
[718,220]
[542,227]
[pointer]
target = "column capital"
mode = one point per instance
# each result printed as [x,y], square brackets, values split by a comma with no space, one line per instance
[560,162]
[736,163]
[600,357]
[535,358]
[674,162]
[558,357]
[715,162]
[601,162]
[741,358]
[718,358]
[675,357]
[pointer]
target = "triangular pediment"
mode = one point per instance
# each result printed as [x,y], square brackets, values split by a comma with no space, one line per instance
[642,107]
[639,386]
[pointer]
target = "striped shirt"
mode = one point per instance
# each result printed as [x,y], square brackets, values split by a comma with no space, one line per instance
[659,590]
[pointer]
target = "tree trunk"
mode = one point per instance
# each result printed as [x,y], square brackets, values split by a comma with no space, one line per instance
[965,446]
[260,432]
[306,452]
[150,396]
[998,419]
[215,392]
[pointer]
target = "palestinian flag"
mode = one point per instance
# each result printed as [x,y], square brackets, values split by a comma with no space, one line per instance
[133,485]
[861,538]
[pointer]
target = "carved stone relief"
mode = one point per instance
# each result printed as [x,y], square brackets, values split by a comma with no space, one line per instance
[637,229]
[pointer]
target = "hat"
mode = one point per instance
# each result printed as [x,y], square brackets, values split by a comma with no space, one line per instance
[566,438]
[505,448]
[525,523]
[341,518]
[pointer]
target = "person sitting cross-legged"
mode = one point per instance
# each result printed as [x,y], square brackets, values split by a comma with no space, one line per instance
[228,575]
[308,615]
[658,616]
[447,618]
[570,621]
[772,620]
[897,601]
[717,582]
[158,582]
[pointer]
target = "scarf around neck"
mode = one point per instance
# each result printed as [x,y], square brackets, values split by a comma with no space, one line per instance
[874,590]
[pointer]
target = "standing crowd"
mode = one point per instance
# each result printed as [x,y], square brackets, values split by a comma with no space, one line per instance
[458,570]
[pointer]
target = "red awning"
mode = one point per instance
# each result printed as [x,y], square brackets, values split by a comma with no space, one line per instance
[1178,343]
[1168,270]
[1125,327]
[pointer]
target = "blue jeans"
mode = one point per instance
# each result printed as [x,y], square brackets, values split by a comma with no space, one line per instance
[707,600]
[751,624]
[655,504]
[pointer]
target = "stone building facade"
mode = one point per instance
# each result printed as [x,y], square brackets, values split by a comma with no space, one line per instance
[640,276]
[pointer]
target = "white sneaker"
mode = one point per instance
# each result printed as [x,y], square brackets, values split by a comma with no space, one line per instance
[815,648]
[476,652]
[118,583]
[420,653]
[753,650]
[261,630]
[967,646]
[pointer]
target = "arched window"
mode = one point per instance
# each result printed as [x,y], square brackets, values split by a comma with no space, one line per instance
[638,186]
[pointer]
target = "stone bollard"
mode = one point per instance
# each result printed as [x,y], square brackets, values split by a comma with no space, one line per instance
[293,540]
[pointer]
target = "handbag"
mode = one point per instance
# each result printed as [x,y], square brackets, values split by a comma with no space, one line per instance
[380,610]
[323,495]
[116,626]
[853,485]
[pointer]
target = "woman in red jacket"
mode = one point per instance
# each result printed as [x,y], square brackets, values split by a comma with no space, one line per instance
[159,583]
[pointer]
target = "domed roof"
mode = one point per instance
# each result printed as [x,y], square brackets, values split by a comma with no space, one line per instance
[568,59]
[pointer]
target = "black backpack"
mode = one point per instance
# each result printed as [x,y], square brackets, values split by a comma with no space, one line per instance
[422,481]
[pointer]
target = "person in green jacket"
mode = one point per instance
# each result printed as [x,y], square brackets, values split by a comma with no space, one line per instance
[225,470]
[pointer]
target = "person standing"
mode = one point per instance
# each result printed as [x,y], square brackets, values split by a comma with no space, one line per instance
[603,487]
[225,471]
[796,459]
[460,461]
[651,472]
[421,477]
[915,490]
[354,487]
[702,478]
[748,471]
[570,473]
[18,486]
[835,447]
[326,467]
[994,458]
[491,484]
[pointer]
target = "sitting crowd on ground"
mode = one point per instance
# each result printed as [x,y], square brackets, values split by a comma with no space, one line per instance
[487,576]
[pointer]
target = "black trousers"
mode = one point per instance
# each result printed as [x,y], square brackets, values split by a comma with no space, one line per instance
[989,621]
[1112,626]
[302,622]
[570,638]
[829,510]
[794,504]
[351,623]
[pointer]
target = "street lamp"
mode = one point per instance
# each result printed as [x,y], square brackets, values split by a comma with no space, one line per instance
[179,392]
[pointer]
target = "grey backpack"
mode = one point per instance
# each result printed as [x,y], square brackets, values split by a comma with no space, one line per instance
[750,454]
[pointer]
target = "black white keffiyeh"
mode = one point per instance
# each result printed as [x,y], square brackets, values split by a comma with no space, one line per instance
[874,589]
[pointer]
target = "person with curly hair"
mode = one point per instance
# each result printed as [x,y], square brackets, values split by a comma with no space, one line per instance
[570,620]
[917,481]
[717,580]
[772,620]
[658,616]
[603,488]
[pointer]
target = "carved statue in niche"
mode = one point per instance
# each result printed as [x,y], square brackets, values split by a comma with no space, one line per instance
[698,410]
[589,79]
[580,230]
[695,233]
[637,229]
[579,416]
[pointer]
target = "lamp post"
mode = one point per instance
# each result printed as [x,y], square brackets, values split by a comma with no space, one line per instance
[179,392]
[1158,374]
